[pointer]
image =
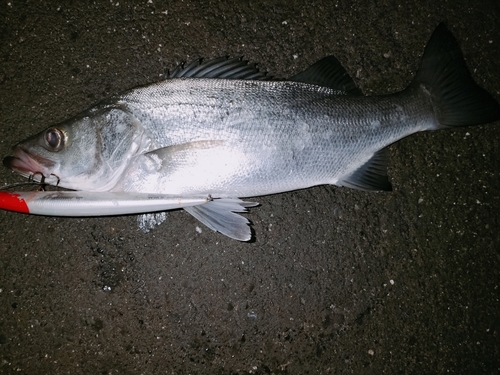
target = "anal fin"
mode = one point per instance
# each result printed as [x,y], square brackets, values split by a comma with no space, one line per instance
[372,175]
[220,215]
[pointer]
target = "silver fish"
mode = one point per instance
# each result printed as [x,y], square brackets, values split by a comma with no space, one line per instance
[223,130]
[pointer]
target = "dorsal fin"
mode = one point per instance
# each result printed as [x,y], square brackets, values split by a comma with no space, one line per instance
[330,73]
[223,67]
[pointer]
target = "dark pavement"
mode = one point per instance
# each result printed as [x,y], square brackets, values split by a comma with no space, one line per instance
[336,281]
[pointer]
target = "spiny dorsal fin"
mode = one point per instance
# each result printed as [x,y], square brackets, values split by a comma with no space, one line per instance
[223,67]
[330,73]
[372,175]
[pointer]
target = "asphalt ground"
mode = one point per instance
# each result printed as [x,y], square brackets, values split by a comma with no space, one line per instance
[336,281]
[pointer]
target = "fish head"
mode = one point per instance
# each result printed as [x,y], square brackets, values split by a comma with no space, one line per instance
[88,152]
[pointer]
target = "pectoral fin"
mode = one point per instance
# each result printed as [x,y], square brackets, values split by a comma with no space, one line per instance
[184,154]
[220,215]
[192,168]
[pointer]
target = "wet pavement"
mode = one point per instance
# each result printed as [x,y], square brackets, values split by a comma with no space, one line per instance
[336,281]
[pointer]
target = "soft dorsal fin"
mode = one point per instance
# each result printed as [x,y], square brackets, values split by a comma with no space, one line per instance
[235,68]
[330,73]
[372,175]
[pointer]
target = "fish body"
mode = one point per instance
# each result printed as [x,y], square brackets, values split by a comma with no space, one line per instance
[222,130]
[237,138]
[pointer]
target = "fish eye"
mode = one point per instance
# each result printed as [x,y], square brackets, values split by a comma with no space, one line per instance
[54,139]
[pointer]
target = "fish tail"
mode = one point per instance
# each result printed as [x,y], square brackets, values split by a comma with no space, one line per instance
[456,98]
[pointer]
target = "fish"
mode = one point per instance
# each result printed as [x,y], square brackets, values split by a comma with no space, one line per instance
[222,129]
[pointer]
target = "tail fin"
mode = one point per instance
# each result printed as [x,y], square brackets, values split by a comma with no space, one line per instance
[457,99]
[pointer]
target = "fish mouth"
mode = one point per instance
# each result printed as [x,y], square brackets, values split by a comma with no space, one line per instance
[29,165]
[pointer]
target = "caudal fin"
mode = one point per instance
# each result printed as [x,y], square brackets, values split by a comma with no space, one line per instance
[457,99]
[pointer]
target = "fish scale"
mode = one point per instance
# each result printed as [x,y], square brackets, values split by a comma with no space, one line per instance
[290,135]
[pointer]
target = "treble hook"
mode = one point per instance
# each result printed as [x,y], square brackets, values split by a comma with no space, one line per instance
[58,179]
[42,183]
[31,178]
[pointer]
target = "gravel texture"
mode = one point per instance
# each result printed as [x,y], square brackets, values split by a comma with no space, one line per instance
[336,281]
